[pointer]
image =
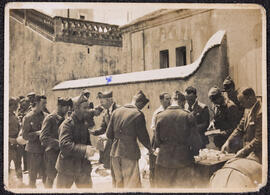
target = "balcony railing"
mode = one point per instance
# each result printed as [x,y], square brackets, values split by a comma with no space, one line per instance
[70,30]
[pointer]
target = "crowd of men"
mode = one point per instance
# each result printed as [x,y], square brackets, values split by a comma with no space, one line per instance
[57,148]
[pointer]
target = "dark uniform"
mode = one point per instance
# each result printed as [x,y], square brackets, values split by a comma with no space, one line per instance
[226,118]
[105,155]
[31,128]
[250,127]
[174,163]
[126,125]
[201,114]
[13,147]
[231,93]
[49,139]
[71,164]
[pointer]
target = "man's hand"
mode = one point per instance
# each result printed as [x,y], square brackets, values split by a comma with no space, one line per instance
[90,151]
[225,147]
[156,152]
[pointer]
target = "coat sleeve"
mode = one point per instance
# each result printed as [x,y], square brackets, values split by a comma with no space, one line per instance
[202,127]
[66,143]
[157,140]
[141,131]
[102,129]
[45,136]
[26,127]
[234,116]
[256,142]
[239,130]
[110,130]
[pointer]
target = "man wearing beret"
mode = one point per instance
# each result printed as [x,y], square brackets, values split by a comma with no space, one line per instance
[250,127]
[31,129]
[174,163]
[49,138]
[13,147]
[126,125]
[199,111]
[107,102]
[226,117]
[231,93]
[72,163]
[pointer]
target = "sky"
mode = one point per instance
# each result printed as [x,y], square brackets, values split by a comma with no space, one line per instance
[113,13]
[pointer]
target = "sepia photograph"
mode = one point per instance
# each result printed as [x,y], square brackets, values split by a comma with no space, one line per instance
[135,97]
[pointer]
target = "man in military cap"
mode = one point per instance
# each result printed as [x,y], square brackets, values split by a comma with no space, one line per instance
[23,107]
[126,125]
[107,102]
[86,93]
[31,129]
[231,93]
[165,101]
[72,163]
[250,127]
[31,96]
[49,138]
[13,147]
[226,117]
[22,111]
[92,112]
[199,111]
[45,107]
[174,160]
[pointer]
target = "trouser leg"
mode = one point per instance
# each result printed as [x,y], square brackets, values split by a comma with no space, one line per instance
[25,159]
[84,180]
[50,160]
[131,173]
[18,163]
[164,176]
[36,161]
[183,177]
[152,160]
[116,166]
[64,181]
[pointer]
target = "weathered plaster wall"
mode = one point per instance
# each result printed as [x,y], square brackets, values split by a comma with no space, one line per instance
[213,69]
[38,64]
[243,29]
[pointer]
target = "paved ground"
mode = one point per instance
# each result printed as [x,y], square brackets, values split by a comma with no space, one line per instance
[100,176]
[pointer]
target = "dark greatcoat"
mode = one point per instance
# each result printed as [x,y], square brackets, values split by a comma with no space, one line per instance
[73,139]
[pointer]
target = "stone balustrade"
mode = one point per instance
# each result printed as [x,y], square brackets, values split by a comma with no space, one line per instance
[70,30]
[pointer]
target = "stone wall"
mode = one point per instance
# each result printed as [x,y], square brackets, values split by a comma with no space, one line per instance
[38,64]
[142,41]
[212,68]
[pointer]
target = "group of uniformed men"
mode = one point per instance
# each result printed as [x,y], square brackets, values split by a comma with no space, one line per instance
[58,146]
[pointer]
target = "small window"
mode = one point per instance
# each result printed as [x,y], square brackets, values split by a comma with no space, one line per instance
[164,58]
[180,56]
[82,17]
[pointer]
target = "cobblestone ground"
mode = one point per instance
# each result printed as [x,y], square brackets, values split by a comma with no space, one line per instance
[101,177]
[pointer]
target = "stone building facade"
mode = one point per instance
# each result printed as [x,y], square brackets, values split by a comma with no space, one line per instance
[72,54]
